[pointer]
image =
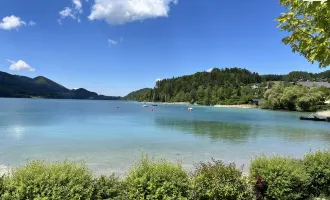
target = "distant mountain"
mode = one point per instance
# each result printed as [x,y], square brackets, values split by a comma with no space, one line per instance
[42,87]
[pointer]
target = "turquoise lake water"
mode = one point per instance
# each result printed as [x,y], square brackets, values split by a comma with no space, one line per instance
[110,139]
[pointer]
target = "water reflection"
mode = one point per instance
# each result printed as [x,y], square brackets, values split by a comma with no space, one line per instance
[16,131]
[213,130]
[241,132]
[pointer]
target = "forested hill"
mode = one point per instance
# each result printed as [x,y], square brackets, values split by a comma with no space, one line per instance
[298,76]
[138,95]
[42,87]
[220,86]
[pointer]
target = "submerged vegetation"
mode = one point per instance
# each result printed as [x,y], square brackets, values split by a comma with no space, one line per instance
[272,177]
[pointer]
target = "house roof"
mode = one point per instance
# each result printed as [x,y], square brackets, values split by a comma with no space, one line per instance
[317,84]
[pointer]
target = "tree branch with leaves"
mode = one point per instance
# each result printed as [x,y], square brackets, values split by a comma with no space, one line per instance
[308,25]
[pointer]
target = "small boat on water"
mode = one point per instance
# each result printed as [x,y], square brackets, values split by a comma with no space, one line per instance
[145,106]
[190,109]
[154,105]
[313,117]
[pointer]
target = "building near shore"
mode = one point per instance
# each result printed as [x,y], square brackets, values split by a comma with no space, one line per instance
[310,84]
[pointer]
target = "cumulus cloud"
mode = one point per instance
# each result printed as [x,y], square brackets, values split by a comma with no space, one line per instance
[67,12]
[124,11]
[73,12]
[11,22]
[78,5]
[20,66]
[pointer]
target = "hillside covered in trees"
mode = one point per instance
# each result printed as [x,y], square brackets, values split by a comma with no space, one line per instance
[298,76]
[138,95]
[42,87]
[220,86]
[226,86]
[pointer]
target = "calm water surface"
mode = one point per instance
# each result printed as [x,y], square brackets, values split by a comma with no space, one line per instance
[109,139]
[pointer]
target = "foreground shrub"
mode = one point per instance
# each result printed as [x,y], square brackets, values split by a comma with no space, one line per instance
[108,188]
[279,178]
[1,186]
[318,167]
[157,179]
[215,180]
[39,180]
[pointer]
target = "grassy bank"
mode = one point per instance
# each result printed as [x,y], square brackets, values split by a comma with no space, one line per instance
[273,177]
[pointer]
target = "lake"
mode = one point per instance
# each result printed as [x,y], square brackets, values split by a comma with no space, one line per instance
[110,139]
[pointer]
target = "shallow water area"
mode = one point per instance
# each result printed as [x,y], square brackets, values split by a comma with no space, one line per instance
[110,139]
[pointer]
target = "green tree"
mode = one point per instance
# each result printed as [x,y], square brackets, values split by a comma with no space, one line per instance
[273,96]
[309,26]
[290,96]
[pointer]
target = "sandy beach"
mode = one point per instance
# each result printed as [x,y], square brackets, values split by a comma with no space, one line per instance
[180,103]
[236,106]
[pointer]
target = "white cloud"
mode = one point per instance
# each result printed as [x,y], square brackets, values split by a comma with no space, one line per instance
[78,5]
[32,23]
[11,22]
[210,70]
[20,65]
[112,42]
[73,12]
[67,12]
[158,79]
[124,11]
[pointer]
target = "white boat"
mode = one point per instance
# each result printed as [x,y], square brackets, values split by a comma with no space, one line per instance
[190,109]
[145,105]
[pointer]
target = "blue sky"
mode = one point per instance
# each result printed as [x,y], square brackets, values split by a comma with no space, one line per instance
[116,46]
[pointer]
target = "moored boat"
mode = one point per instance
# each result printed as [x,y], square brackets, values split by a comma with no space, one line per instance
[313,117]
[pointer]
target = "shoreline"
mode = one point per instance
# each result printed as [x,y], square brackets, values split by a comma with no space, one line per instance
[246,106]
[169,103]
[216,106]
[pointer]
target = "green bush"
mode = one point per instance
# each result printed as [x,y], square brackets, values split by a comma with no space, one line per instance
[39,180]
[157,179]
[264,104]
[1,186]
[215,180]
[279,178]
[108,188]
[318,167]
